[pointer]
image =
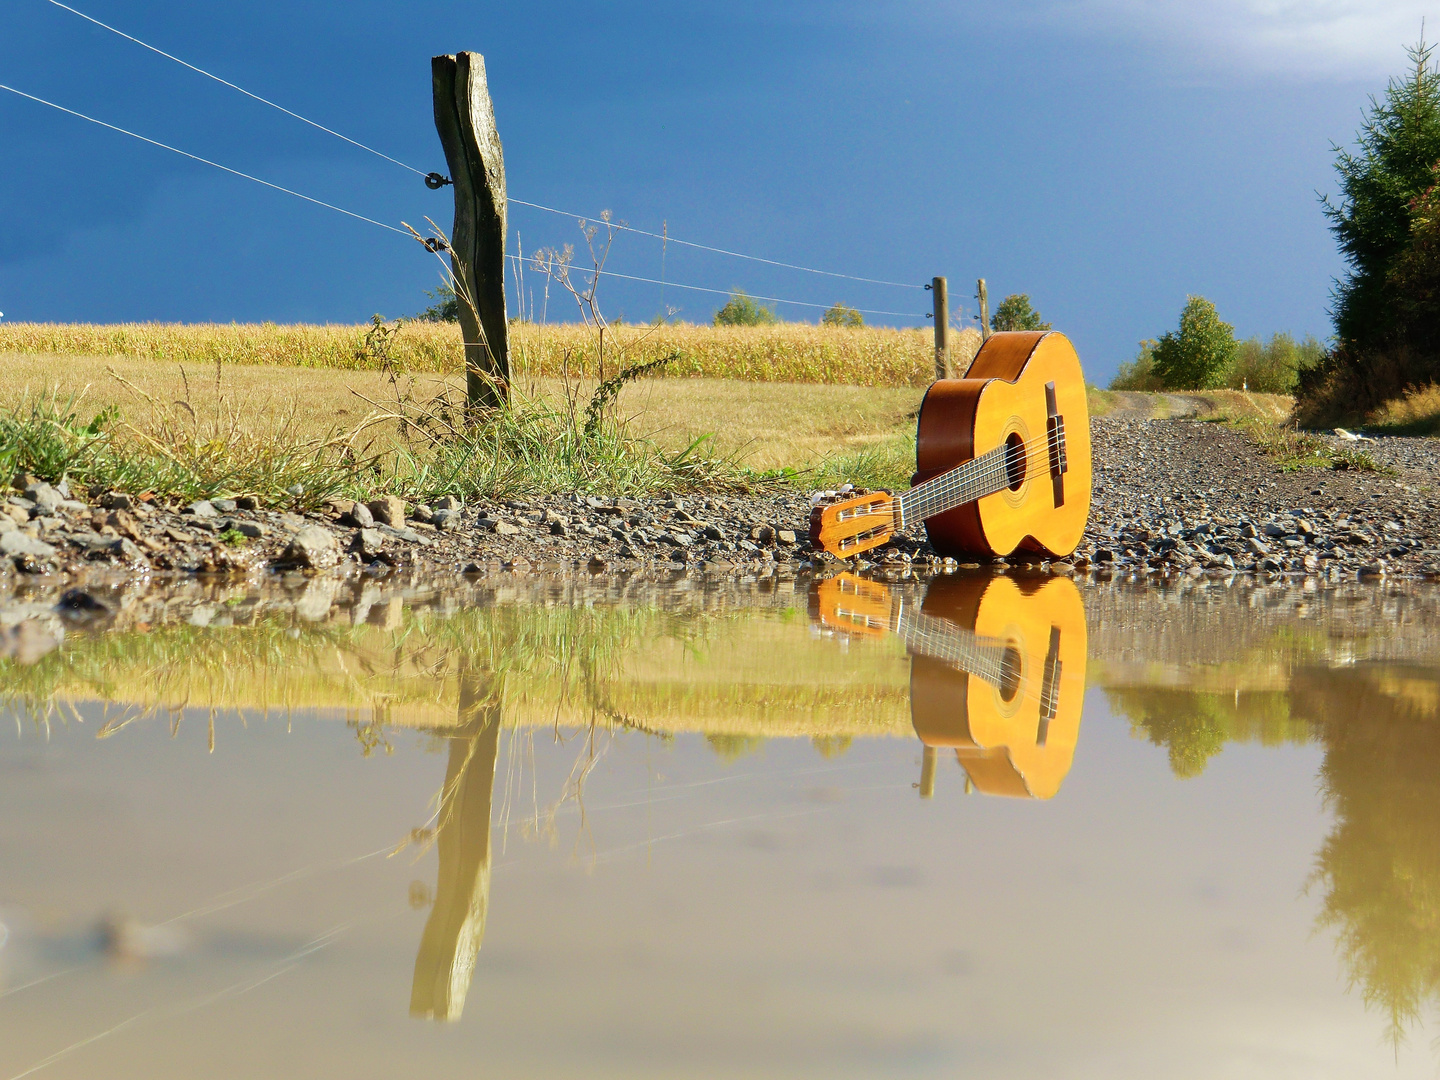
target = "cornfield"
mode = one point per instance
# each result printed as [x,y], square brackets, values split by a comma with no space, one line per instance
[787,352]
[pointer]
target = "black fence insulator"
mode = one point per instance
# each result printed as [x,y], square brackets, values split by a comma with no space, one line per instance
[435,181]
[434,244]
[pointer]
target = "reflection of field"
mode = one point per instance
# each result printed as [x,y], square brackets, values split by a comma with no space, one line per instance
[760,675]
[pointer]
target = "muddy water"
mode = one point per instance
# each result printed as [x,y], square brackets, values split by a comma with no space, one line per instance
[541,827]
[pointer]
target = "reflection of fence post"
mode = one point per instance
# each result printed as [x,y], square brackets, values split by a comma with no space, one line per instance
[942,327]
[465,120]
[984,298]
[455,930]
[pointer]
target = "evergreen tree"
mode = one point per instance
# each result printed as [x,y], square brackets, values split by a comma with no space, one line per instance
[1393,166]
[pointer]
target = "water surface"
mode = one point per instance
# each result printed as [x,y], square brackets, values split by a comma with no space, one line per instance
[993,827]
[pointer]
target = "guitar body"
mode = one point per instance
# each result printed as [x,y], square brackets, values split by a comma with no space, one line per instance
[1003,398]
[1016,738]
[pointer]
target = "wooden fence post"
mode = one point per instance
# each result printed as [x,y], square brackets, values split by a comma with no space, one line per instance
[984,298]
[465,120]
[942,327]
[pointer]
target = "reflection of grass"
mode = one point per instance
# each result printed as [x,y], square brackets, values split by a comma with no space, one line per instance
[613,665]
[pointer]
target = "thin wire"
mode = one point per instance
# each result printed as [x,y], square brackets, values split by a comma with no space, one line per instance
[418,172]
[241,89]
[716,250]
[205,161]
[727,292]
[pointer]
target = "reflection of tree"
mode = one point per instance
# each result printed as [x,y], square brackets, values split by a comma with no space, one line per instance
[456,926]
[1194,727]
[1380,865]
[1379,869]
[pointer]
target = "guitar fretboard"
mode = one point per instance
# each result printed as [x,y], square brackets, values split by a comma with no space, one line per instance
[974,479]
[943,640]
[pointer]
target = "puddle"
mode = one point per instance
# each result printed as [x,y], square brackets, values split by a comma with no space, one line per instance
[536,826]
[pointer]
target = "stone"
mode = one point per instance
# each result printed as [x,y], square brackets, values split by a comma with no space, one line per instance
[20,543]
[423,514]
[46,498]
[762,534]
[504,528]
[79,603]
[367,543]
[201,509]
[1104,555]
[1274,530]
[312,547]
[17,514]
[447,519]
[713,532]
[253,530]
[26,642]
[1255,546]
[785,536]
[448,502]
[388,510]
[358,515]
[224,506]
[247,502]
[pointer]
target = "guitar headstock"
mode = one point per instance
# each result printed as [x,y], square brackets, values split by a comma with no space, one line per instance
[855,524]
[851,605]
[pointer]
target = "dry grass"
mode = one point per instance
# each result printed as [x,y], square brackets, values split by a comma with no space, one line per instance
[788,352]
[764,425]
[1415,413]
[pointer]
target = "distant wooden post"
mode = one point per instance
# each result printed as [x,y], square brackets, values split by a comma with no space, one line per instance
[984,298]
[942,327]
[465,120]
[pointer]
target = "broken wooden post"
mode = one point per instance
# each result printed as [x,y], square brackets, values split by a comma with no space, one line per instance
[984,298]
[942,327]
[465,120]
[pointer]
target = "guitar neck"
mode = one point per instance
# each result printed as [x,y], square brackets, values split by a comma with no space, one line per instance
[943,640]
[968,481]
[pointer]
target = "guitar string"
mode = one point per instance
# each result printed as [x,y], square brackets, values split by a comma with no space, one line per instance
[954,634]
[952,482]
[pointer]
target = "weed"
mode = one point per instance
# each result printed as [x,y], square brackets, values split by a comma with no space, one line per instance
[234,538]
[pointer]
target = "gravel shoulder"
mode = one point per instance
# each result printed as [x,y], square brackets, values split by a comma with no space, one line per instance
[1172,496]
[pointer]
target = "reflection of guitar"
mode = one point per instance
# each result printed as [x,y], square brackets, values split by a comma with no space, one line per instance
[1002,460]
[997,671]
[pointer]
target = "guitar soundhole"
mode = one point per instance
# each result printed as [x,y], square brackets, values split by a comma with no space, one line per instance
[1015,460]
[1009,674]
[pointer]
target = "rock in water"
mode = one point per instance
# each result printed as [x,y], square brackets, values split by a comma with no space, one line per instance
[312,547]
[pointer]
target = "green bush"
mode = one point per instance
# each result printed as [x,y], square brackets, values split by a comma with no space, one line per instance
[1272,367]
[742,310]
[1138,374]
[840,315]
[446,307]
[1015,313]
[1199,354]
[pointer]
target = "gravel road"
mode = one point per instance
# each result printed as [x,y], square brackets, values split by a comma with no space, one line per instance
[1172,497]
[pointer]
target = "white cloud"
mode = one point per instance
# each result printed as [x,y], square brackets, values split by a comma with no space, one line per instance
[1307,38]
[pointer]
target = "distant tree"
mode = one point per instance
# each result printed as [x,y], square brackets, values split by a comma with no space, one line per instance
[742,310]
[1272,367]
[1198,355]
[446,307]
[1015,313]
[840,315]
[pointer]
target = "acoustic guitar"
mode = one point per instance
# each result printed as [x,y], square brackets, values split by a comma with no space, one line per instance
[997,671]
[1002,460]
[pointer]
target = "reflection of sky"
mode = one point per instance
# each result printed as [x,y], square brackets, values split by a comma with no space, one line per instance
[776,914]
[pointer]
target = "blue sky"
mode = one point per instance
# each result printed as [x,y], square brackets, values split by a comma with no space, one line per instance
[1106,156]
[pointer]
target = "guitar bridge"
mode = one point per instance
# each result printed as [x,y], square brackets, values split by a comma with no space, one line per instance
[1055,430]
